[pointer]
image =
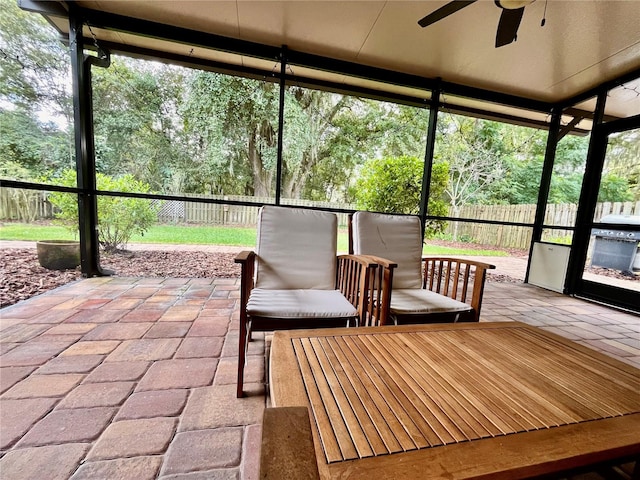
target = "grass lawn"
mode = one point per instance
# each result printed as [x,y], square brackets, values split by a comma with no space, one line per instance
[168,234]
[24,231]
[199,235]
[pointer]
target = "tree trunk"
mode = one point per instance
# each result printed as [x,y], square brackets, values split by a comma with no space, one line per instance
[456,213]
[261,177]
[294,181]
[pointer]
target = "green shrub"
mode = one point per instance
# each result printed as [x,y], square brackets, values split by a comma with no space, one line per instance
[394,185]
[119,218]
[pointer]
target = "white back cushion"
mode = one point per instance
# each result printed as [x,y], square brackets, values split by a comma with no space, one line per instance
[296,249]
[394,237]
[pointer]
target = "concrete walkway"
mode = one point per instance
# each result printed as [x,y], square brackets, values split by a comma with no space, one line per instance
[134,378]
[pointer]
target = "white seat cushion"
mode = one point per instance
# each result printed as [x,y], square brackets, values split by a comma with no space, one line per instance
[296,249]
[299,304]
[394,237]
[416,301]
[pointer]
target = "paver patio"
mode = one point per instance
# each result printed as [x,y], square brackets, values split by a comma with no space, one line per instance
[117,377]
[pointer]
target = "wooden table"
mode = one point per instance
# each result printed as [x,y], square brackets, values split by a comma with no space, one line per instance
[470,400]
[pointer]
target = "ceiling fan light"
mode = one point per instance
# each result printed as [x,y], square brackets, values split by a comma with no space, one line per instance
[513,4]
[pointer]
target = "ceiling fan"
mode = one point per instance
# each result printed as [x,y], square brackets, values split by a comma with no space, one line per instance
[512,11]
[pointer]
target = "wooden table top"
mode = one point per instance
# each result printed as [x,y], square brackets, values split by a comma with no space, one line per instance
[478,398]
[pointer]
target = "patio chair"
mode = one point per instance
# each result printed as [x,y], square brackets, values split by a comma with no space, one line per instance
[424,289]
[295,279]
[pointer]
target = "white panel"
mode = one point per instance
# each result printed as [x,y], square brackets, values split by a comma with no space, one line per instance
[549,266]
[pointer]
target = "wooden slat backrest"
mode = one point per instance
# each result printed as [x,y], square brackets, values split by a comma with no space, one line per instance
[457,279]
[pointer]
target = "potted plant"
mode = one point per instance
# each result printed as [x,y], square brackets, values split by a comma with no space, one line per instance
[58,254]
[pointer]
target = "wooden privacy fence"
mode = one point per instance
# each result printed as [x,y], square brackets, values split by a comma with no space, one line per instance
[29,205]
[558,215]
[499,235]
[225,214]
[24,205]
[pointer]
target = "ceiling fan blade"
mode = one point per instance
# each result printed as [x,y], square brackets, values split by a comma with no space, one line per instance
[508,26]
[444,11]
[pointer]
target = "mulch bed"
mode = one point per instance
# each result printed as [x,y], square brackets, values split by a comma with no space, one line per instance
[22,277]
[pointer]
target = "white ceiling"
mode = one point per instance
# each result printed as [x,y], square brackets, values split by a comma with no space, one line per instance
[583,43]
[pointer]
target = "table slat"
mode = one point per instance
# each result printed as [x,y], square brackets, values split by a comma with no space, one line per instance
[327,434]
[385,392]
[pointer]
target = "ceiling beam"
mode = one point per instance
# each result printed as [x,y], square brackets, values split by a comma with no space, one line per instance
[134,26]
[569,127]
[110,21]
[326,85]
[585,114]
[603,87]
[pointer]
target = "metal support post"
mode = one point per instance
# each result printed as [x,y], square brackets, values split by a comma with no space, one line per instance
[283,72]
[85,151]
[545,182]
[428,155]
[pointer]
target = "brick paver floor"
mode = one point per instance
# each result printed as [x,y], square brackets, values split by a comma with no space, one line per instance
[134,378]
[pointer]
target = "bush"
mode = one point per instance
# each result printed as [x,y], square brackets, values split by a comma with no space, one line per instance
[119,218]
[394,185]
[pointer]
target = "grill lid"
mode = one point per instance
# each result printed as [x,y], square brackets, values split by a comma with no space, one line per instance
[621,219]
[619,234]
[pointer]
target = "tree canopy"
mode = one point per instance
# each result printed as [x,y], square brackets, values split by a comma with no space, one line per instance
[394,185]
[183,131]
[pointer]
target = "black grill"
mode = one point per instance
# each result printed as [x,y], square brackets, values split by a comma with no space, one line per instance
[616,249]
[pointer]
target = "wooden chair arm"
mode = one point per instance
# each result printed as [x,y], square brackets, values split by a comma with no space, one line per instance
[353,278]
[383,287]
[383,262]
[366,281]
[247,260]
[287,450]
[243,257]
[452,277]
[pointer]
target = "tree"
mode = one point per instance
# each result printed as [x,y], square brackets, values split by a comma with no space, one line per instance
[38,148]
[364,129]
[233,122]
[623,162]
[233,126]
[614,189]
[313,121]
[394,185]
[119,218]
[473,152]
[34,64]
[137,128]
[437,205]
[522,171]
[35,100]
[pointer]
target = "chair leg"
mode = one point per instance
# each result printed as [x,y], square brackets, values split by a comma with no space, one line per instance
[242,352]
